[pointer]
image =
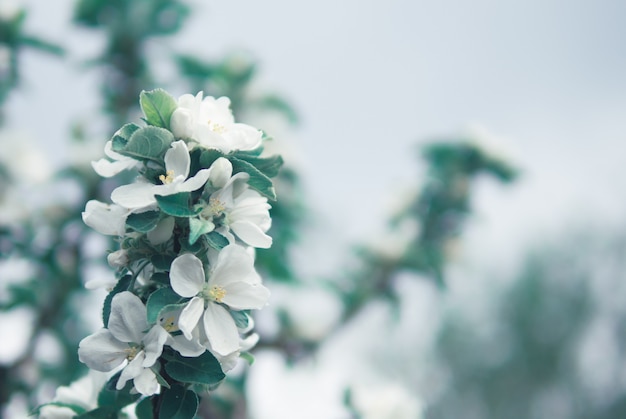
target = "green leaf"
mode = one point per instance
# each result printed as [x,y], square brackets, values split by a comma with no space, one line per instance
[204,369]
[258,180]
[122,135]
[143,222]
[269,166]
[76,408]
[178,403]
[161,278]
[198,227]
[148,143]
[157,105]
[241,318]
[122,285]
[177,204]
[143,410]
[117,399]
[159,299]
[162,262]
[209,156]
[216,240]
[99,413]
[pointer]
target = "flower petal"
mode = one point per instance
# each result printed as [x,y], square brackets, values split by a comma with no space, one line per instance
[132,370]
[106,219]
[101,351]
[153,344]
[233,264]
[187,275]
[220,329]
[135,195]
[162,232]
[190,316]
[177,159]
[243,296]
[127,321]
[221,171]
[251,234]
[146,382]
[185,347]
[196,182]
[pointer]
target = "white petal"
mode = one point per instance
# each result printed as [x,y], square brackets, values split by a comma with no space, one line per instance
[249,342]
[177,159]
[101,351]
[153,344]
[243,137]
[220,329]
[187,275]
[190,316]
[135,196]
[233,264]
[181,123]
[130,371]
[106,168]
[221,172]
[185,347]
[162,232]
[251,234]
[196,182]
[146,382]
[106,219]
[128,321]
[243,296]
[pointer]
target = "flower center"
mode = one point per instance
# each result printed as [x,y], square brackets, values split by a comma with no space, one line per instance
[215,127]
[131,352]
[167,178]
[169,324]
[216,206]
[215,293]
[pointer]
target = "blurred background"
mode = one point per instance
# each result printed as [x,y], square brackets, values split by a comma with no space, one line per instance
[411,277]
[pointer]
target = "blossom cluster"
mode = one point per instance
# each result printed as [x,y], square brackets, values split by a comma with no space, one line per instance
[177,317]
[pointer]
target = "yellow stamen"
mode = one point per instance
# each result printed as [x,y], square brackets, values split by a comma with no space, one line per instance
[216,206]
[216,293]
[215,127]
[132,352]
[169,324]
[168,177]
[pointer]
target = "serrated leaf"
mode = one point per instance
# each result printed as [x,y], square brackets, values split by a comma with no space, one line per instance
[258,180]
[159,299]
[121,136]
[216,240]
[269,166]
[157,105]
[204,369]
[177,204]
[198,227]
[178,403]
[148,143]
[122,285]
[143,222]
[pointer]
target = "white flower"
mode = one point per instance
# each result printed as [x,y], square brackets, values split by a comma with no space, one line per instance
[126,339]
[232,282]
[141,195]
[82,393]
[119,163]
[211,124]
[246,212]
[118,259]
[106,219]
[386,401]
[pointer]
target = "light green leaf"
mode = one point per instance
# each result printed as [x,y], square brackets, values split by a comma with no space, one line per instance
[143,222]
[198,227]
[241,318]
[157,105]
[178,403]
[177,204]
[258,180]
[269,166]
[122,135]
[216,240]
[204,369]
[159,299]
[148,143]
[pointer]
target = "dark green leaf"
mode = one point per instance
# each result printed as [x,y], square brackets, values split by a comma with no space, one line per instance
[117,399]
[178,403]
[143,410]
[216,240]
[148,143]
[177,204]
[258,180]
[99,413]
[143,222]
[122,135]
[122,285]
[204,369]
[162,262]
[157,105]
[159,299]
[76,408]
[209,156]
[269,166]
